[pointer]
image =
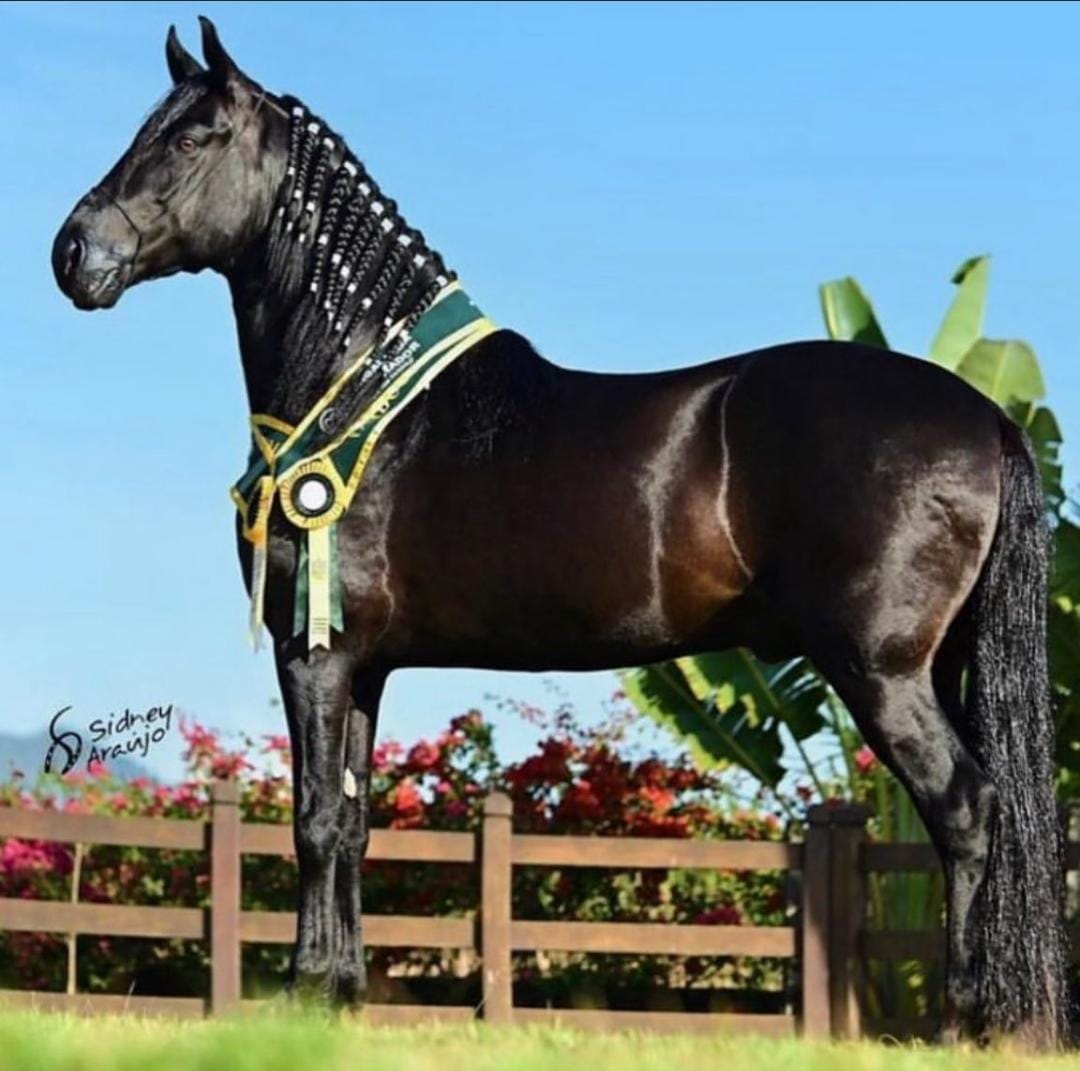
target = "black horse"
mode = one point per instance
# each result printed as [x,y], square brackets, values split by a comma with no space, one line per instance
[521,515]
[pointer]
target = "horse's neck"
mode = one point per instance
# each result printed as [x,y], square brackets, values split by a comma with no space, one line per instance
[336,265]
[281,380]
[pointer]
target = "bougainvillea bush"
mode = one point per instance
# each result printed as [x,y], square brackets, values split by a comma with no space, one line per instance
[578,780]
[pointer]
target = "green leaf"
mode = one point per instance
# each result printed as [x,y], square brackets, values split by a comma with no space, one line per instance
[962,326]
[849,316]
[791,692]
[1003,371]
[663,693]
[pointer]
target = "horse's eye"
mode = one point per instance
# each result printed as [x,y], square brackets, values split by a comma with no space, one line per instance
[186,144]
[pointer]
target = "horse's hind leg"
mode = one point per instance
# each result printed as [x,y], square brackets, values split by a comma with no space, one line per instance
[908,728]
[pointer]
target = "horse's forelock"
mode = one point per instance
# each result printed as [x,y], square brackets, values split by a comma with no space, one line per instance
[169,108]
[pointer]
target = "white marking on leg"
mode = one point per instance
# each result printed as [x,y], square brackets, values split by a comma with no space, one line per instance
[349,785]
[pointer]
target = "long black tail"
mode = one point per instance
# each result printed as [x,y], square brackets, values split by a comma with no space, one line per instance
[1018,921]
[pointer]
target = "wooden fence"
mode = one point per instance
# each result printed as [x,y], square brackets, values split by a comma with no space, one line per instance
[826,941]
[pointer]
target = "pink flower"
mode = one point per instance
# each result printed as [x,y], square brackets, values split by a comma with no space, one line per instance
[387,754]
[276,742]
[864,759]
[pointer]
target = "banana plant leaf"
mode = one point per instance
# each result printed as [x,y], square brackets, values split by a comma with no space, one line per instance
[791,692]
[962,326]
[714,736]
[1004,371]
[849,316]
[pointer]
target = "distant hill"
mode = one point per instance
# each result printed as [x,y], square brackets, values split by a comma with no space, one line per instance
[27,753]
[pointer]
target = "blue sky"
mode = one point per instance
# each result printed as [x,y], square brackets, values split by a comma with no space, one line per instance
[633,186]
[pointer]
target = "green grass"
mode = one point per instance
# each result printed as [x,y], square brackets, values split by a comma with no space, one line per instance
[34,1041]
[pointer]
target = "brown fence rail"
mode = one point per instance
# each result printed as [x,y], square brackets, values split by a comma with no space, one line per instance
[826,944]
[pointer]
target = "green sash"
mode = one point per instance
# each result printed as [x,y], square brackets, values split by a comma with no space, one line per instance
[316,486]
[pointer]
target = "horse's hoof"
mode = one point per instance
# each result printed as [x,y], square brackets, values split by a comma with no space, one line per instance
[950,1034]
[310,989]
[350,988]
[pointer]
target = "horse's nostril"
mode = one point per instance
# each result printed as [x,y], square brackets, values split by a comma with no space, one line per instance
[73,254]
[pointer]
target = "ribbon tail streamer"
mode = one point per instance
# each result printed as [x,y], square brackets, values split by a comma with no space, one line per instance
[319,569]
[258,537]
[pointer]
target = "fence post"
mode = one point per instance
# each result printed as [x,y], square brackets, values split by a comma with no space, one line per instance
[816,1017]
[834,913]
[224,897]
[498,998]
[848,919]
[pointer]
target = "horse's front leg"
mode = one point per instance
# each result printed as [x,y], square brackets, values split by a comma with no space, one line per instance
[351,980]
[316,689]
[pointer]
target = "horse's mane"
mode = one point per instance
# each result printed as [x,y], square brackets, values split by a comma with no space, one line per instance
[340,256]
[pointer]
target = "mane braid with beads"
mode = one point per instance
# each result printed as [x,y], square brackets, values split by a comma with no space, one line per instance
[346,263]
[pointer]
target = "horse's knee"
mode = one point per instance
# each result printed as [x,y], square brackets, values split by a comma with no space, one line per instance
[318,836]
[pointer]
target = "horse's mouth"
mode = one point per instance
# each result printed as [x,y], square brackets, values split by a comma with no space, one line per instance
[101,290]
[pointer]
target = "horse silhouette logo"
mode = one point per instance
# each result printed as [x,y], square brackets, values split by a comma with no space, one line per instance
[69,742]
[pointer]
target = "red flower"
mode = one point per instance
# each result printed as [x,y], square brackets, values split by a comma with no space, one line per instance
[422,756]
[408,806]
[724,915]
[658,799]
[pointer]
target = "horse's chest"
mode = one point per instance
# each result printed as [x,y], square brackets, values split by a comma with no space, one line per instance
[360,564]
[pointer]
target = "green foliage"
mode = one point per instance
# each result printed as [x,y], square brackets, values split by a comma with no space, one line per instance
[962,325]
[849,314]
[715,732]
[1003,371]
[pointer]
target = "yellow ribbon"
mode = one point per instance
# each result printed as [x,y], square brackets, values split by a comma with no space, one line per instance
[257,534]
[319,588]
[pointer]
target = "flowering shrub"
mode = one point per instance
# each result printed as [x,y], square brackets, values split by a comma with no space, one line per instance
[577,781]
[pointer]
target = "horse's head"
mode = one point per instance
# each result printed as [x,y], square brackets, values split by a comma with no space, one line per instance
[194,187]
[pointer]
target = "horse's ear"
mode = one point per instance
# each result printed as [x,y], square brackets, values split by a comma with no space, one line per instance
[182,64]
[223,72]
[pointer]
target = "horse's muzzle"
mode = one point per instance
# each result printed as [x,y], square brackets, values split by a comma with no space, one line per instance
[93,255]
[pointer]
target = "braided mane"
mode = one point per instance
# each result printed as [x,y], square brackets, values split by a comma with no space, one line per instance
[343,262]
